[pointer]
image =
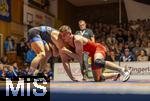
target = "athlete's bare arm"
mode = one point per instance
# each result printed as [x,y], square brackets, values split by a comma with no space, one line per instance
[69,53]
[66,64]
[65,58]
[79,48]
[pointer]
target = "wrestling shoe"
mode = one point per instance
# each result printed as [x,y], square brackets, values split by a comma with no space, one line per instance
[126,75]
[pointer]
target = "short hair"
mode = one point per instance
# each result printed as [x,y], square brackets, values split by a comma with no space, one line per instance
[65,28]
[82,21]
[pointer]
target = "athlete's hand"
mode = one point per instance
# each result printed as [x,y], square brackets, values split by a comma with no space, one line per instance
[75,80]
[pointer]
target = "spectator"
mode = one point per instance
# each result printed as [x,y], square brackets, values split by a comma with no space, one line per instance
[22,49]
[126,46]
[148,48]
[127,56]
[86,32]
[10,73]
[15,68]
[137,53]
[134,25]
[9,44]
[111,39]
[24,71]
[1,70]
[4,60]
[119,36]
[137,46]
[143,56]
[112,57]
[120,47]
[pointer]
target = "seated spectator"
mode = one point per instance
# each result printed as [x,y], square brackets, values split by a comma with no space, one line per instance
[10,73]
[143,56]
[2,73]
[127,56]
[4,60]
[112,57]
[1,70]
[131,45]
[15,70]
[9,44]
[111,39]
[119,36]
[137,53]
[22,49]
[24,72]
[135,25]
[120,48]
[126,46]
[137,46]
[148,48]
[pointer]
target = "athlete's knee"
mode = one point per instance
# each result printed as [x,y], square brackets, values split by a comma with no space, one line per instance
[100,63]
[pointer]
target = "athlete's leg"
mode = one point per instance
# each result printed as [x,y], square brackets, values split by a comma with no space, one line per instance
[113,76]
[99,61]
[48,52]
[38,48]
[97,73]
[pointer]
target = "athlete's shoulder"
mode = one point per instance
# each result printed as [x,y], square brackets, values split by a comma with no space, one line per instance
[33,29]
[78,38]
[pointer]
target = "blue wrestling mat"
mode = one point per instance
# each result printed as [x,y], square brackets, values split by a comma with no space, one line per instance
[100,91]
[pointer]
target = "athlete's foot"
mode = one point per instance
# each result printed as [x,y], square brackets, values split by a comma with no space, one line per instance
[126,75]
[74,79]
[84,78]
[116,77]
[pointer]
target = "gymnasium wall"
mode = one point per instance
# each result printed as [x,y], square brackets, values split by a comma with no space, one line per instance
[137,10]
[108,13]
[14,27]
[66,12]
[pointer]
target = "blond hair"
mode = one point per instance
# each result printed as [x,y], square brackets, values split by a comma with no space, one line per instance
[65,28]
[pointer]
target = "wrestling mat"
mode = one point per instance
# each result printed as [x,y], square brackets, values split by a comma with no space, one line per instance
[133,90]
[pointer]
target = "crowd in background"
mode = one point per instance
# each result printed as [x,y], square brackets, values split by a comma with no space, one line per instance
[126,42]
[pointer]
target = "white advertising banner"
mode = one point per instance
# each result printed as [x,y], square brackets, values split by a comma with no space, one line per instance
[139,69]
[61,75]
